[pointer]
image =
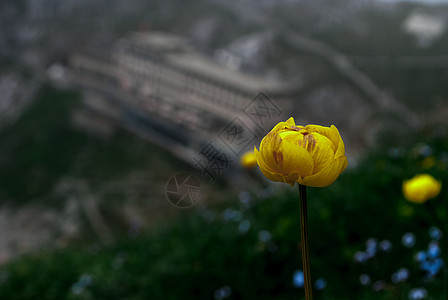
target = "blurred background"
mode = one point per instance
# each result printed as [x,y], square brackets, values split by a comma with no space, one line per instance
[122,130]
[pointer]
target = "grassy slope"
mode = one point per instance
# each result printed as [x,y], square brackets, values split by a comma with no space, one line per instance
[42,146]
[191,257]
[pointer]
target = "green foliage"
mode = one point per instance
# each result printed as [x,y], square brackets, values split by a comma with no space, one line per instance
[193,256]
[35,150]
[42,147]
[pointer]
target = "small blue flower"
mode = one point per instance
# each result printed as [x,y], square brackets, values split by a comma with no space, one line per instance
[425,150]
[433,250]
[425,265]
[400,275]
[420,256]
[223,293]
[298,279]
[77,288]
[232,215]
[85,280]
[264,236]
[417,294]
[371,245]
[360,257]
[320,284]
[435,233]
[245,199]
[431,272]
[434,267]
[439,263]
[385,245]
[408,240]
[227,214]
[244,227]
[378,285]
[370,252]
[364,279]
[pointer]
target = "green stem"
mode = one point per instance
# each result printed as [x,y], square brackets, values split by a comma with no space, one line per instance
[304,236]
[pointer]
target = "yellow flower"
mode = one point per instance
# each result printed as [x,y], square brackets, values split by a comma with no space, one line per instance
[421,187]
[311,155]
[248,160]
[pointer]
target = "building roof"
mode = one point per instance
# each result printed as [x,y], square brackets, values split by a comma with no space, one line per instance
[160,41]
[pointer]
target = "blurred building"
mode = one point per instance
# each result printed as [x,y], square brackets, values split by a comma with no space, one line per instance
[157,85]
[426,28]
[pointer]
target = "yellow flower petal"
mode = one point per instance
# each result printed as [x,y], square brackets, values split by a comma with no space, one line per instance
[330,132]
[322,154]
[264,169]
[291,121]
[284,125]
[317,145]
[292,178]
[269,152]
[272,176]
[259,158]
[326,176]
[341,146]
[287,157]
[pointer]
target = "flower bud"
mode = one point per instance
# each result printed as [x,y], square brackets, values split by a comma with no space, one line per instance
[311,155]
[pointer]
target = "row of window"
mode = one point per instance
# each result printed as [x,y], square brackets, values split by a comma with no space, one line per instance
[169,81]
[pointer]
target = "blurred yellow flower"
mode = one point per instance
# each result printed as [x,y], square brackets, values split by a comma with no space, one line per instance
[421,187]
[311,155]
[248,160]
